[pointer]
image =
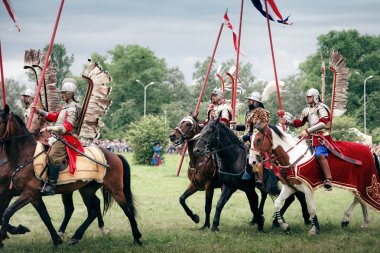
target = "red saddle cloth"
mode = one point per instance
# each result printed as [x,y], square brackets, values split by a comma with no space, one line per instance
[362,180]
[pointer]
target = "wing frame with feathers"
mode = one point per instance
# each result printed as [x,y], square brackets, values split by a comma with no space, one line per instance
[341,74]
[96,102]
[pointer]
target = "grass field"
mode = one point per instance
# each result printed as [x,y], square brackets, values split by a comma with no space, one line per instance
[166,227]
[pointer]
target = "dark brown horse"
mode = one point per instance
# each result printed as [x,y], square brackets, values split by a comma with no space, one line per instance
[20,147]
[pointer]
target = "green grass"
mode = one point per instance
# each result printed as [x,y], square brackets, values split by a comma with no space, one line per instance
[166,227]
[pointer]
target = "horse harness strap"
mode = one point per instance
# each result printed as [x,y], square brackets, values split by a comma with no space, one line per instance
[328,145]
[20,167]
[3,161]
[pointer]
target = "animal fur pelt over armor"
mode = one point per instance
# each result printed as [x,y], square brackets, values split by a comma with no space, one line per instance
[337,64]
[98,102]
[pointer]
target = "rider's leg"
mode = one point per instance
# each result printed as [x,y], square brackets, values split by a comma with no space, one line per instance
[56,155]
[322,154]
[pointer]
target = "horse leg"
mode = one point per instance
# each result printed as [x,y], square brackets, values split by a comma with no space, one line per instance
[365,216]
[67,201]
[91,202]
[5,200]
[224,197]
[264,196]
[309,195]
[101,225]
[209,194]
[283,209]
[286,191]
[253,200]
[39,205]
[305,213]
[348,212]
[191,189]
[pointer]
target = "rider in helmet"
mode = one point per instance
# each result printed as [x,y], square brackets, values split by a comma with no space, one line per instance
[317,115]
[219,107]
[66,125]
[254,101]
[27,97]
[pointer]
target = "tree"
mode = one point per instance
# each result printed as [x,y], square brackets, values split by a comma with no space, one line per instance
[13,95]
[143,133]
[61,61]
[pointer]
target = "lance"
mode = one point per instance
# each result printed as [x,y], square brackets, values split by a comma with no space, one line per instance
[274,66]
[234,84]
[47,56]
[196,111]
[2,78]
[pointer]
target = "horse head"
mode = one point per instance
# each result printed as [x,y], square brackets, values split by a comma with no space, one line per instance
[187,128]
[208,139]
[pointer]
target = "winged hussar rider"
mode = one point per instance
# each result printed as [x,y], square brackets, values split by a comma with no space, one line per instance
[317,115]
[66,119]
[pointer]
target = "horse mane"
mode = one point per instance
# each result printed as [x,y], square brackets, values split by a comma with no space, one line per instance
[276,130]
[22,125]
[230,134]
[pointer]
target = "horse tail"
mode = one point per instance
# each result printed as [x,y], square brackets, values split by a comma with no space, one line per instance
[377,164]
[107,200]
[127,184]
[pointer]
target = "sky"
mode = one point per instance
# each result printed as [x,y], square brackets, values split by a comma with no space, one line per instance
[181,32]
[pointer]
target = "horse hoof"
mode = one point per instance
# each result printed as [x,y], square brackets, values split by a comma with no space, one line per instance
[196,218]
[58,242]
[253,221]
[61,234]
[215,229]
[313,231]
[1,245]
[73,241]
[275,224]
[364,226]
[20,230]
[104,230]
[307,222]
[137,242]
[204,227]
[344,224]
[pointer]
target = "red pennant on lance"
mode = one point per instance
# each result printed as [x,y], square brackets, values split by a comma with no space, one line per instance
[226,21]
[273,12]
[11,12]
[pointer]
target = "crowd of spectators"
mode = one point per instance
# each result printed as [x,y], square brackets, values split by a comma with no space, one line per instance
[114,146]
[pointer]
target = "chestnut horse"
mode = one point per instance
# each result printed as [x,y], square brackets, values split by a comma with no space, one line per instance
[298,160]
[20,148]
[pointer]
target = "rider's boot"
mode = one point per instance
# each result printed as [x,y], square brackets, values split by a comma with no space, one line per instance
[53,172]
[323,163]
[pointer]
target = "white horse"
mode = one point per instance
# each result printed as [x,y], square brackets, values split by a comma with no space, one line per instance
[291,152]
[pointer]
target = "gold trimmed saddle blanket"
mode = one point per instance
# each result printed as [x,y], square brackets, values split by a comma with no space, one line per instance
[86,170]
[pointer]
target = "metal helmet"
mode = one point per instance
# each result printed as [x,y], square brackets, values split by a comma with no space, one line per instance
[255,95]
[218,92]
[314,93]
[69,85]
[28,92]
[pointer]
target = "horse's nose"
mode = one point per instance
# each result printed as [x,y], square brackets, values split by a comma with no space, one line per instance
[172,138]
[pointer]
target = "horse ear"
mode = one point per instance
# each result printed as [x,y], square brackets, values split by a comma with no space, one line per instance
[6,109]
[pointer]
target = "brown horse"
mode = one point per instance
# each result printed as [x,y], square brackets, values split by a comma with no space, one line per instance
[20,147]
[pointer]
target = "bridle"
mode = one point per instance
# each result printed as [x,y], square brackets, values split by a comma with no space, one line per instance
[185,136]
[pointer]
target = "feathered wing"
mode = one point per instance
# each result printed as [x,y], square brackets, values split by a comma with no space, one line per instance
[34,58]
[337,64]
[98,102]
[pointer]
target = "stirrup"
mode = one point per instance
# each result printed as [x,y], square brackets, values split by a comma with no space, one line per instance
[327,185]
[246,176]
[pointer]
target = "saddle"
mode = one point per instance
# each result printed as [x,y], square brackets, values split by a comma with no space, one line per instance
[86,169]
